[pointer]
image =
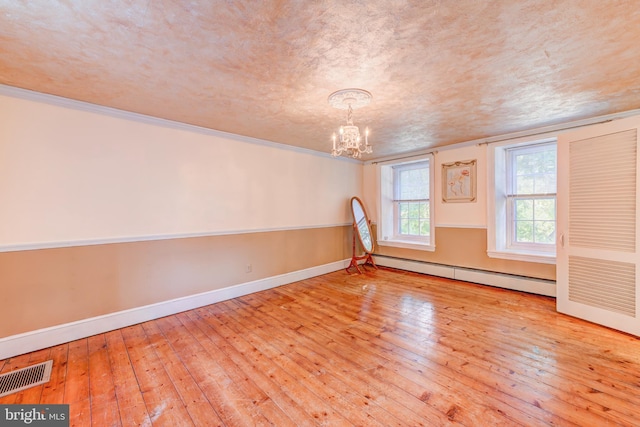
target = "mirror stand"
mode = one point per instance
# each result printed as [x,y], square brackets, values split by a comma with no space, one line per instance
[354,259]
[362,228]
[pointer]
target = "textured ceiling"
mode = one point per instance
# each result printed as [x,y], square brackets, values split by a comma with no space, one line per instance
[440,72]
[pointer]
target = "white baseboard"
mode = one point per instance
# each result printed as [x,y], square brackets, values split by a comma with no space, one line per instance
[500,280]
[55,335]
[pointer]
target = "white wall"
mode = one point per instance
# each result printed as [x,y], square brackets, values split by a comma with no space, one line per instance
[77,175]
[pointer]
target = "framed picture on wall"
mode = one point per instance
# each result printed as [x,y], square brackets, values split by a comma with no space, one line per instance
[459,181]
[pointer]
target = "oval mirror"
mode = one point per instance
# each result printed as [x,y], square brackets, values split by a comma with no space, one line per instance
[362,225]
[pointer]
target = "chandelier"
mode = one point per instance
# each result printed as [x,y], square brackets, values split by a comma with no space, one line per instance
[349,140]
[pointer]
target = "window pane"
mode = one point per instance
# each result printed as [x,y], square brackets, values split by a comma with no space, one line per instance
[414,227]
[545,232]
[424,210]
[534,170]
[404,210]
[413,183]
[524,231]
[524,209]
[404,226]
[550,161]
[545,184]
[524,184]
[411,194]
[414,210]
[425,227]
[545,209]
[531,188]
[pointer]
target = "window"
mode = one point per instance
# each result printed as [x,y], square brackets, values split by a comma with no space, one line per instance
[531,196]
[406,204]
[523,224]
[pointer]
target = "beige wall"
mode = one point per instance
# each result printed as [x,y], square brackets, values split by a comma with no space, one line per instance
[467,247]
[461,228]
[48,287]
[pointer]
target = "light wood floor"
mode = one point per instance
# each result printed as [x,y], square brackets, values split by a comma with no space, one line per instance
[378,349]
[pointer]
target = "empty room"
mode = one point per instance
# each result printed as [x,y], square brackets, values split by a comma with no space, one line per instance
[336,213]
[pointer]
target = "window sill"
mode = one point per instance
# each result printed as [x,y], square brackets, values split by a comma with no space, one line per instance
[407,245]
[542,258]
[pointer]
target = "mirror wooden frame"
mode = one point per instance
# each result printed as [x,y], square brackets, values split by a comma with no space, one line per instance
[362,220]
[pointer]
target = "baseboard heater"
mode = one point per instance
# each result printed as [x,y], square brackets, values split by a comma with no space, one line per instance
[483,277]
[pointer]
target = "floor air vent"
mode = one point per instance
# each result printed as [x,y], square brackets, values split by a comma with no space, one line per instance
[24,378]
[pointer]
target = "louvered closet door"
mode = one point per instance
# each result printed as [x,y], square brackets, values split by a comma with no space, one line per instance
[597,264]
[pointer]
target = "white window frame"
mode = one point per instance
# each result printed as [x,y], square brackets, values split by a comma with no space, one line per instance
[499,233]
[388,212]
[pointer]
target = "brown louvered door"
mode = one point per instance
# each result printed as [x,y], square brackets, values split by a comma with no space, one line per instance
[597,247]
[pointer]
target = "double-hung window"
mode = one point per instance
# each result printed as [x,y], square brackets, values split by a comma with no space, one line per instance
[406,204]
[522,217]
[531,197]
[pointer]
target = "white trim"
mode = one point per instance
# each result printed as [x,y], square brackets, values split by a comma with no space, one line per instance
[407,245]
[497,216]
[55,335]
[385,182]
[59,101]
[524,256]
[130,239]
[500,280]
[459,226]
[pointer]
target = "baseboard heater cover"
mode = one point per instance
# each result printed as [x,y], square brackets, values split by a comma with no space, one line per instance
[483,277]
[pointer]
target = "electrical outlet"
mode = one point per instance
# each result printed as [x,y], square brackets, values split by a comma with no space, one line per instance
[249,268]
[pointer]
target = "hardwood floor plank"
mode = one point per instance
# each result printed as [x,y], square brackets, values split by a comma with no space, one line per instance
[390,347]
[357,404]
[130,401]
[263,392]
[101,385]
[164,405]
[199,408]
[315,407]
[282,372]
[77,380]
[393,399]
[53,391]
[233,407]
[107,415]
[261,374]
[80,413]
[414,374]
[369,338]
